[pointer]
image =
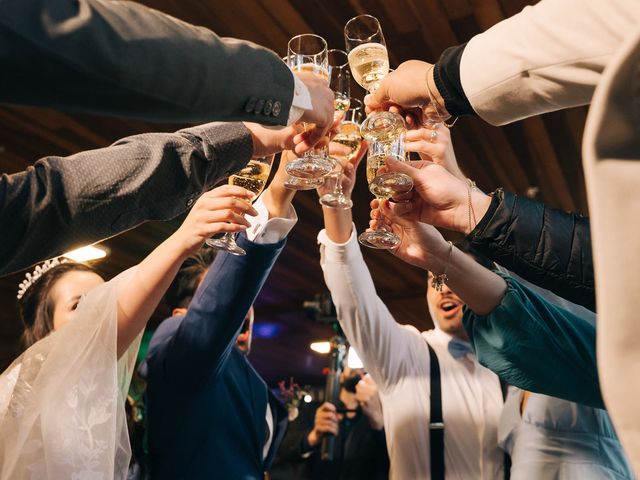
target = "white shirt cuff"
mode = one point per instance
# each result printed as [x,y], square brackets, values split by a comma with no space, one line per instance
[301,101]
[338,252]
[269,230]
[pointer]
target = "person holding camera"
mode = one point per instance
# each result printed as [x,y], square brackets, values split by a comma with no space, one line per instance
[356,422]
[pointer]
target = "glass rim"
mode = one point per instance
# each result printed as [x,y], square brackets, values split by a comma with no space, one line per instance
[323,42]
[362,16]
[346,57]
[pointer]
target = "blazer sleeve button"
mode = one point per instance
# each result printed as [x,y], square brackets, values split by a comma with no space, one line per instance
[259,106]
[277,107]
[268,107]
[250,105]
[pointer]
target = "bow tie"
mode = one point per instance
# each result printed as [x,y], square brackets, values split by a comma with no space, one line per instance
[459,348]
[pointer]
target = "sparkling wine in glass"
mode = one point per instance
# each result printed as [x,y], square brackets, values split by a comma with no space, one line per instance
[308,53]
[369,64]
[348,136]
[253,177]
[385,184]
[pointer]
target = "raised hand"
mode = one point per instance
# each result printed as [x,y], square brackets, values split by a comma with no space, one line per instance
[433,143]
[420,243]
[348,164]
[438,197]
[220,210]
[407,88]
[321,116]
[326,422]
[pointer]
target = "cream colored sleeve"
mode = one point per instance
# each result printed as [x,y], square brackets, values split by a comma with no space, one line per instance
[548,57]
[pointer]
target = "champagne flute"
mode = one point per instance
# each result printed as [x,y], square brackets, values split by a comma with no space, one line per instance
[308,53]
[376,158]
[369,64]
[295,183]
[349,136]
[253,177]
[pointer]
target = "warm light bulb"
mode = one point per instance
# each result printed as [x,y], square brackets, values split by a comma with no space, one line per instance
[85,254]
[321,347]
[307,398]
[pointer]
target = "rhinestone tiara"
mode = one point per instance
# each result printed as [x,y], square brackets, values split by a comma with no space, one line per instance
[31,278]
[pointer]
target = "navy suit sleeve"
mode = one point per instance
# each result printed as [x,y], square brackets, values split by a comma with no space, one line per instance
[202,343]
[537,346]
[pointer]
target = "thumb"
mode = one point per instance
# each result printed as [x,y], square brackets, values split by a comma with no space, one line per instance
[377,99]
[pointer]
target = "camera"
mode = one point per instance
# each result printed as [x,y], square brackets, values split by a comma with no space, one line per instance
[321,309]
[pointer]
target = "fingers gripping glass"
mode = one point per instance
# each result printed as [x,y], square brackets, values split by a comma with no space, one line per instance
[253,177]
[308,53]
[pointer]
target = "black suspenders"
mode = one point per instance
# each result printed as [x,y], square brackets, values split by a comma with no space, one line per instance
[436,425]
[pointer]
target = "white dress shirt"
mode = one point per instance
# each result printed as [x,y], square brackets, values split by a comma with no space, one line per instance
[265,230]
[397,358]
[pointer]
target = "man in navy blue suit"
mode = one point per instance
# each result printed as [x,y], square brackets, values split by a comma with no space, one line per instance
[209,414]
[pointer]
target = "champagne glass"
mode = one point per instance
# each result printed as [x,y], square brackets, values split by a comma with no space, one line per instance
[308,53]
[253,177]
[295,183]
[383,188]
[339,78]
[369,64]
[349,136]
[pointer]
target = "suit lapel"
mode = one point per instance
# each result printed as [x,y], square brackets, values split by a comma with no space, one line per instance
[280,421]
[257,396]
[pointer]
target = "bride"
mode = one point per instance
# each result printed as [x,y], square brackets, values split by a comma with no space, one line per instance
[62,401]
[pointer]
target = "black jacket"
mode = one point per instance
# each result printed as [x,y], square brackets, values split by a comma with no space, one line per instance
[547,247]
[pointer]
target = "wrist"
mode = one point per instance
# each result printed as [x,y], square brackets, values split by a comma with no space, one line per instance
[439,255]
[277,200]
[480,203]
[434,95]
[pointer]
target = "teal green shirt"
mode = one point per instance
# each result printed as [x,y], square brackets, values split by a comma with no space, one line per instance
[537,346]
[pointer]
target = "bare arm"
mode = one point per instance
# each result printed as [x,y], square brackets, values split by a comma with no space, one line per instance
[220,210]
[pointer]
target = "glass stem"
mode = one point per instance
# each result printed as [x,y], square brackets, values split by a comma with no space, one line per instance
[337,189]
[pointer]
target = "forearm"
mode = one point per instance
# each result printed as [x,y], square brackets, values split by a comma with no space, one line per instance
[338,224]
[370,328]
[479,288]
[138,300]
[124,59]
[87,197]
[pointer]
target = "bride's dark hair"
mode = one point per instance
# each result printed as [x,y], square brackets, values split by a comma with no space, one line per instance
[36,305]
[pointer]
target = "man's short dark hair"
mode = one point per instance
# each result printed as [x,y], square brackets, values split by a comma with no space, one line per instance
[184,286]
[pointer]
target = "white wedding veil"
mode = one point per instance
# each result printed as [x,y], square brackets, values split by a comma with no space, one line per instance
[62,412]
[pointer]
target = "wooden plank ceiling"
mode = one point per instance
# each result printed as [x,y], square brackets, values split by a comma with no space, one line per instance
[542,153]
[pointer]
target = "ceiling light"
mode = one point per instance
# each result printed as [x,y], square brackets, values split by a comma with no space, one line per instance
[321,347]
[85,254]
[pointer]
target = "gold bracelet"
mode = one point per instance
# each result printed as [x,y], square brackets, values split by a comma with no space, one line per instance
[436,104]
[438,281]
[470,186]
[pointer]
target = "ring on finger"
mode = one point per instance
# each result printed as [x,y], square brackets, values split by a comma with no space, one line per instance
[433,136]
